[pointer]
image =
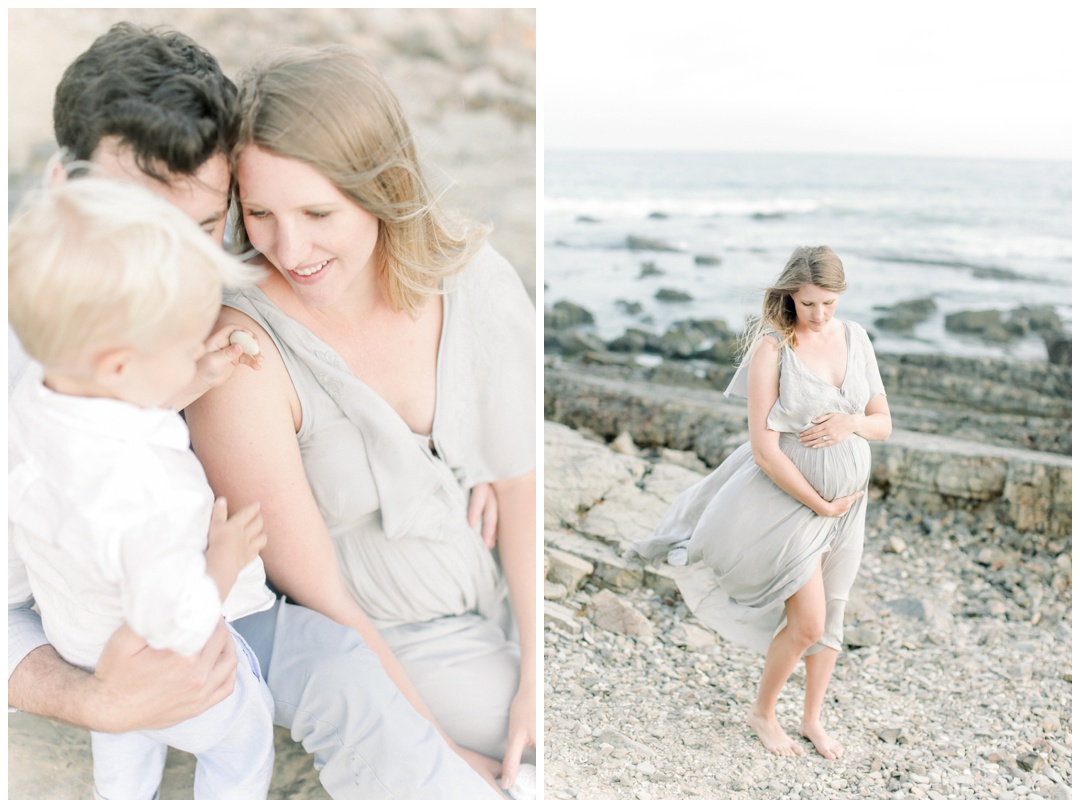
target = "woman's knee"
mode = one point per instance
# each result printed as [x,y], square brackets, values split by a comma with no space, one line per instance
[806,629]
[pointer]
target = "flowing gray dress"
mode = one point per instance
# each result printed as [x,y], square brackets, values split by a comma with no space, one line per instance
[396,509]
[750,545]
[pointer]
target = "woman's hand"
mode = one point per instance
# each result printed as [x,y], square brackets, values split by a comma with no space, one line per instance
[840,505]
[486,767]
[522,733]
[483,505]
[829,430]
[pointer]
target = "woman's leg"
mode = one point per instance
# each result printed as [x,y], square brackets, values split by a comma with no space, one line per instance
[805,623]
[819,668]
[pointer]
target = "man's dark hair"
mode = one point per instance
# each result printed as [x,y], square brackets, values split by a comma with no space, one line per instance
[162,94]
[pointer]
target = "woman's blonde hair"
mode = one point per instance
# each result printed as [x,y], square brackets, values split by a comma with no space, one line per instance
[329,108]
[95,260]
[807,266]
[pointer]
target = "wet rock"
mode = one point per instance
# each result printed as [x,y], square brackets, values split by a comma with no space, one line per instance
[906,314]
[639,243]
[707,260]
[673,296]
[564,313]
[649,269]
[631,307]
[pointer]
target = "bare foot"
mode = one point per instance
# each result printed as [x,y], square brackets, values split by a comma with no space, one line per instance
[816,734]
[775,739]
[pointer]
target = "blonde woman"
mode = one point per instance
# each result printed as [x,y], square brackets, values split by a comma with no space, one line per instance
[774,536]
[397,378]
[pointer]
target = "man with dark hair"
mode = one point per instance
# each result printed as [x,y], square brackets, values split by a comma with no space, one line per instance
[153,107]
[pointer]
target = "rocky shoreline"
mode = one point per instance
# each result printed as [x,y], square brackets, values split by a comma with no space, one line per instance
[956,678]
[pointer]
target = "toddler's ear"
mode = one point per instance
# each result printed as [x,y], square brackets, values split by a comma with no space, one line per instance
[109,364]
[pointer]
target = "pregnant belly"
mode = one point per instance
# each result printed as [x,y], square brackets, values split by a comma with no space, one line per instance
[834,471]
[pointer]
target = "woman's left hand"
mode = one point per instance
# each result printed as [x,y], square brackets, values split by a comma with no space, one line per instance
[829,429]
[522,733]
[485,507]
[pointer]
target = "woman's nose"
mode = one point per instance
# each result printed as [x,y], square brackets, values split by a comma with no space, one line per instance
[289,246]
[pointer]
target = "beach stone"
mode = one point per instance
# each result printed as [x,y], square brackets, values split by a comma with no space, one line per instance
[567,569]
[860,637]
[561,617]
[608,611]
[894,544]
[554,591]
[624,444]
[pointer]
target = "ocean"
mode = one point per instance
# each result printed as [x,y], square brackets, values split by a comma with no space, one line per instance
[969,234]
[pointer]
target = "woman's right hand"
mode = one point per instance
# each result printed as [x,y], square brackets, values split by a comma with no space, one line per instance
[840,506]
[486,767]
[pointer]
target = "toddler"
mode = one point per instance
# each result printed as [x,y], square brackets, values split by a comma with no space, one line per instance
[114,292]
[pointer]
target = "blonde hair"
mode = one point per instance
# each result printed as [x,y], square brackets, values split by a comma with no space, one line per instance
[807,266]
[329,108]
[94,260]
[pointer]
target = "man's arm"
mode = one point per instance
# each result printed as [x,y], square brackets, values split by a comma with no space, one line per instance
[134,686]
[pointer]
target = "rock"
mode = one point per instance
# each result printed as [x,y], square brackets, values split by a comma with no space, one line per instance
[617,740]
[860,637]
[693,638]
[1059,349]
[567,569]
[650,269]
[894,544]
[564,314]
[624,444]
[906,314]
[656,245]
[707,260]
[673,296]
[907,607]
[1030,761]
[630,307]
[608,611]
[968,322]
[634,340]
[561,617]
[554,591]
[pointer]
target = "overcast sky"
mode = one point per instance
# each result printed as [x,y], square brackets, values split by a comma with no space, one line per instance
[950,78]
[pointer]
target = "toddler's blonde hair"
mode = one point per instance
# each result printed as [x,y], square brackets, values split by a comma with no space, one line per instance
[95,261]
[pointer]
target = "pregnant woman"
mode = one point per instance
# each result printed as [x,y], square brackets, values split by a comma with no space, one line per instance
[774,536]
[397,377]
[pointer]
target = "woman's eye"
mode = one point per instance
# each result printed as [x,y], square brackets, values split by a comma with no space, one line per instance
[317,214]
[256,214]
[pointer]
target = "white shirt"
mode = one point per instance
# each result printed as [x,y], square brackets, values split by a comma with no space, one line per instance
[108,515]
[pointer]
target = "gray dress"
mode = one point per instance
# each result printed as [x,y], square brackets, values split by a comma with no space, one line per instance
[750,545]
[396,509]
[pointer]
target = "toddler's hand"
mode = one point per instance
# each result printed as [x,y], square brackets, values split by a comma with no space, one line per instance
[232,542]
[222,357]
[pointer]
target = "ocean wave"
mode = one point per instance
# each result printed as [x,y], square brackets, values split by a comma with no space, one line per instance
[703,208]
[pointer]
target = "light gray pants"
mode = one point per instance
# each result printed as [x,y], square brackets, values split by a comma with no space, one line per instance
[333,695]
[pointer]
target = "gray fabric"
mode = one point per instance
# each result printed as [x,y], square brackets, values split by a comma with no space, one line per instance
[332,694]
[397,512]
[751,545]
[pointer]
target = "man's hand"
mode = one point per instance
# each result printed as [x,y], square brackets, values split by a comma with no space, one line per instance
[136,687]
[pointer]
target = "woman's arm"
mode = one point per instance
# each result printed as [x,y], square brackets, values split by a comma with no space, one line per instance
[517,551]
[244,433]
[763,387]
